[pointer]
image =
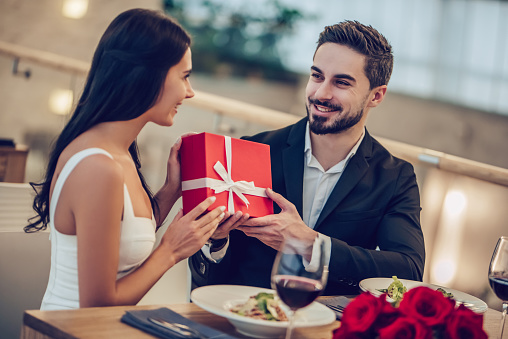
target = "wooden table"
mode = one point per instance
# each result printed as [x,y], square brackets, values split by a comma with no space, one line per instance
[105,322]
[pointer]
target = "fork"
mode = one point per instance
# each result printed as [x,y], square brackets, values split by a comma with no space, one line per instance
[336,308]
[183,331]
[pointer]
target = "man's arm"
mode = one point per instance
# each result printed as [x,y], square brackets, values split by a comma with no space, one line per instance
[211,264]
[205,272]
[395,229]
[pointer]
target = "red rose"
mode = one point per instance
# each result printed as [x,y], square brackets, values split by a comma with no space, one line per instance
[361,313]
[387,314]
[343,333]
[429,306]
[405,328]
[465,324]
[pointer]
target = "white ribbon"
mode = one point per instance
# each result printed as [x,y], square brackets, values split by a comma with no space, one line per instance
[226,184]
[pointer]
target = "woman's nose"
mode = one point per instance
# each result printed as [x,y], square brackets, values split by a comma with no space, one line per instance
[190,92]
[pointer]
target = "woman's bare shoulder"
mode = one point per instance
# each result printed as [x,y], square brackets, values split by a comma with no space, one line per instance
[100,168]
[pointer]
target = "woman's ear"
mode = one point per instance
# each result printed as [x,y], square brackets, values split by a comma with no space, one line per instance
[377,95]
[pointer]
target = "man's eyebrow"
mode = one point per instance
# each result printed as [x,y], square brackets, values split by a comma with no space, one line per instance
[315,68]
[336,76]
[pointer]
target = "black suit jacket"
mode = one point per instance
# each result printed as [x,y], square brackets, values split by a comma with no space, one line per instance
[375,204]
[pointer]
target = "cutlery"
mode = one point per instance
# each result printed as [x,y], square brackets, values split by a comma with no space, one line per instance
[336,308]
[183,331]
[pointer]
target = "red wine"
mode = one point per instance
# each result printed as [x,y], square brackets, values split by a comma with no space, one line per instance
[297,292]
[500,287]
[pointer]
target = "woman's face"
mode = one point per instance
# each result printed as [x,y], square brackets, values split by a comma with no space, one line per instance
[176,88]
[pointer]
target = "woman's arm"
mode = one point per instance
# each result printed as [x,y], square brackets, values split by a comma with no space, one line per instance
[184,237]
[97,208]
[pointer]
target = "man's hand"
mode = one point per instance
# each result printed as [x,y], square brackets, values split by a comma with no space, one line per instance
[273,229]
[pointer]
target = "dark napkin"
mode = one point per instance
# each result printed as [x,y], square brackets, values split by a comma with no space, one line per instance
[337,304]
[139,319]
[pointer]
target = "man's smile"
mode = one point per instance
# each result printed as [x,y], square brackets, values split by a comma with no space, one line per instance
[323,107]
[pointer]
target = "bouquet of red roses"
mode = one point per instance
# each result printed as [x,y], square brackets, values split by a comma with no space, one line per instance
[423,313]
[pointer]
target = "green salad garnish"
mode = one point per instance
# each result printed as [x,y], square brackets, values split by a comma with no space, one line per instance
[395,290]
[261,306]
[446,294]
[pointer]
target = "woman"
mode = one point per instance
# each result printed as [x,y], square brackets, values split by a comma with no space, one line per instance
[101,213]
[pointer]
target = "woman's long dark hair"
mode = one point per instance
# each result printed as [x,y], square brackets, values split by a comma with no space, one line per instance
[126,77]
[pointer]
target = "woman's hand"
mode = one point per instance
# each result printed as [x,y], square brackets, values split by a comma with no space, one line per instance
[172,188]
[188,233]
[173,175]
[229,223]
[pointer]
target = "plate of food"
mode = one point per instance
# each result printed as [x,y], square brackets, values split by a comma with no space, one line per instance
[395,289]
[257,312]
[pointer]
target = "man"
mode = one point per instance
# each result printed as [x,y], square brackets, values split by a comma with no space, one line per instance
[333,180]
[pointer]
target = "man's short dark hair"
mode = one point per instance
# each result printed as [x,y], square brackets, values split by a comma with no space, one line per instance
[367,41]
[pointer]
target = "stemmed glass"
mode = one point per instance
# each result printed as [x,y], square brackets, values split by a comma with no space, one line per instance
[498,276]
[297,283]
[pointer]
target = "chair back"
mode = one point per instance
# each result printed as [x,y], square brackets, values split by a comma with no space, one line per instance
[24,259]
[15,205]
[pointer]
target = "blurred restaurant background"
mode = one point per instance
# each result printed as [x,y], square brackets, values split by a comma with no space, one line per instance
[446,111]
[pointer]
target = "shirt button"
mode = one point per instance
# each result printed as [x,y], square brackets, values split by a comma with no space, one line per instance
[202,268]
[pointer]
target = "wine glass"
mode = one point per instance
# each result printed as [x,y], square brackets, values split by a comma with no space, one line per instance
[498,276]
[297,283]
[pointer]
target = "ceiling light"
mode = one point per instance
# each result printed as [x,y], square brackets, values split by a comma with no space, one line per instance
[60,101]
[75,9]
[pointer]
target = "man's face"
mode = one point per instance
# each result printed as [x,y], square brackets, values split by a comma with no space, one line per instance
[338,90]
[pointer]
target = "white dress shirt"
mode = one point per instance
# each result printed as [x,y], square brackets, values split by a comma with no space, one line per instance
[317,186]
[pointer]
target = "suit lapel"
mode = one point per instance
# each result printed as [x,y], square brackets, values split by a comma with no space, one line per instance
[292,164]
[353,173]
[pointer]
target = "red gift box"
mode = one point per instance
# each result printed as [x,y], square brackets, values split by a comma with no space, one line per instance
[236,171]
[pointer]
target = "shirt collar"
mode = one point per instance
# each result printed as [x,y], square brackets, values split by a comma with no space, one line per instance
[339,167]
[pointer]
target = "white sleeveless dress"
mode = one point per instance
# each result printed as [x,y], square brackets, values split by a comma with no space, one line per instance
[137,241]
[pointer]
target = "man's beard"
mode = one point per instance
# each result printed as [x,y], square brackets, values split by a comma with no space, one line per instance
[318,124]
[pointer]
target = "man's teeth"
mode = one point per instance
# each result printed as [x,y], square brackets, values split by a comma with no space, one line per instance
[323,109]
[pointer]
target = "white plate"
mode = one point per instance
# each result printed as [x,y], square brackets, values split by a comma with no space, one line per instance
[218,299]
[374,284]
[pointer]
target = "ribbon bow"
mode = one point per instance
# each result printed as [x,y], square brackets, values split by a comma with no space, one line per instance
[226,184]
